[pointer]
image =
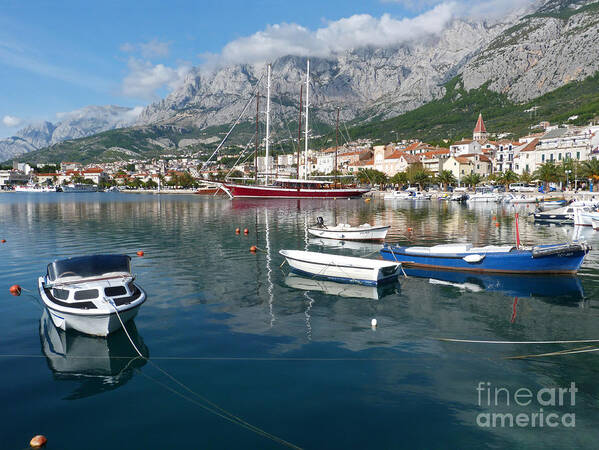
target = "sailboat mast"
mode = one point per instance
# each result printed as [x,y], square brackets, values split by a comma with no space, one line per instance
[256,145]
[299,133]
[267,123]
[336,145]
[307,105]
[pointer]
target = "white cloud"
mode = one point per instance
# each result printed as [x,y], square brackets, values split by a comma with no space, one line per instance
[357,31]
[145,79]
[11,121]
[148,49]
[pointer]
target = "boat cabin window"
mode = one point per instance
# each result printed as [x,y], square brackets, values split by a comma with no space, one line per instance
[86,294]
[89,266]
[115,291]
[61,294]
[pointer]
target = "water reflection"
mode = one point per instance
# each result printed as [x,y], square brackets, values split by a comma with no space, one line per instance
[98,364]
[341,289]
[555,287]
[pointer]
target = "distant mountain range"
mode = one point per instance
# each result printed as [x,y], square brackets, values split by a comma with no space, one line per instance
[521,57]
[73,125]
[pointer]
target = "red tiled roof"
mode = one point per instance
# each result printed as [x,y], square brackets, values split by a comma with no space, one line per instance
[462,159]
[463,142]
[531,145]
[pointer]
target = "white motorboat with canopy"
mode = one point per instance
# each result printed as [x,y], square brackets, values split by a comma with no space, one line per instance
[85,293]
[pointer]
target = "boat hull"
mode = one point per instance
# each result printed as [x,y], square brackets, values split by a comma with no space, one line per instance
[98,325]
[352,234]
[515,261]
[342,269]
[241,191]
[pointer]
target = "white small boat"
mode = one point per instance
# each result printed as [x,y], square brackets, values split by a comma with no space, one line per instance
[343,269]
[397,195]
[78,188]
[344,231]
[519,198]
[34,188]
[419,195]
[85,293]
[585,217]
[484,197]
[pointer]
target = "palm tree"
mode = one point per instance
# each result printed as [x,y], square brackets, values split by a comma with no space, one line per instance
[400,178]
[371,176]
[420,177]
[472,179]
[446,177]
[548,173]
[590,169]
[508,177]
[526,177]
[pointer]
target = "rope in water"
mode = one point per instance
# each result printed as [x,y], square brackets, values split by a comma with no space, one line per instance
[213,408]
[471,341]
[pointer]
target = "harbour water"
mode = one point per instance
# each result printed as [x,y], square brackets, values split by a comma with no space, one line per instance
[297,360]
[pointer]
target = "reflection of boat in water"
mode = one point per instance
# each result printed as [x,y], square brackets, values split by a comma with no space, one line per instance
[510,285]
[340,289]
[100,364]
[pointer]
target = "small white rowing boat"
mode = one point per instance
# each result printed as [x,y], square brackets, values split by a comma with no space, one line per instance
[344,231]
[343,269]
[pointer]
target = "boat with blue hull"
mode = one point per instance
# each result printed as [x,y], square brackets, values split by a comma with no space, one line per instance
[508,284]
[549,259]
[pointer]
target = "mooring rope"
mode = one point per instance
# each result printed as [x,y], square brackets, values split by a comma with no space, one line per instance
[472,341]
[214,408]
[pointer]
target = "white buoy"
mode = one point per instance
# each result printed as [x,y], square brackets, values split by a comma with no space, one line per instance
[373,323]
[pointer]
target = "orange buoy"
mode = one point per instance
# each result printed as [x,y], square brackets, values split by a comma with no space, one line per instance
[496,224]
[140,253]
[409,230]
[366,200]
[246,231]
[15,290]
[38,441]
[3,241]
[494,218]
[237,231]
[253,249]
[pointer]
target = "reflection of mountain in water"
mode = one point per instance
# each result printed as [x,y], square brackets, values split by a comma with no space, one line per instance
[99,364]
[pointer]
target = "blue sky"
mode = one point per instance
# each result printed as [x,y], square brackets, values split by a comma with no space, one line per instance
[58,56]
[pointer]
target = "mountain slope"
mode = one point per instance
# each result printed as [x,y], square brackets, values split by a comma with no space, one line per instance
[72,125]
[541,52]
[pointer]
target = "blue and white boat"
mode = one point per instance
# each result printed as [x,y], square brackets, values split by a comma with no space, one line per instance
[549,259]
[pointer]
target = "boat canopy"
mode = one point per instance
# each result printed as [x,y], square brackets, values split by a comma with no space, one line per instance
[89,266]
[295,183]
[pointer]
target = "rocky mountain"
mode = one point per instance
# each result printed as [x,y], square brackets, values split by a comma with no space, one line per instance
[520,57]
[72,125]
[365,82]
[540,52]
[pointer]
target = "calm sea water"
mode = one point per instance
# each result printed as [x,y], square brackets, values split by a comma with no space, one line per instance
[295,358]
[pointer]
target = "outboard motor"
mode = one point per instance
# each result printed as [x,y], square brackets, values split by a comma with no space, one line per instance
[320,222]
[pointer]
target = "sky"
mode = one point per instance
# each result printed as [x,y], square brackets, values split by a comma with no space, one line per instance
[61,55]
